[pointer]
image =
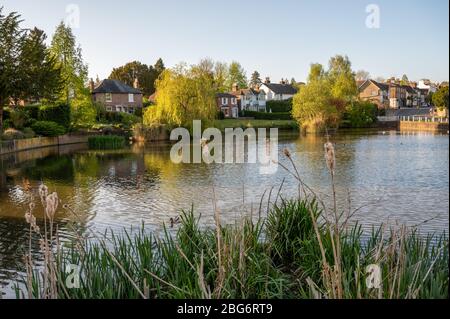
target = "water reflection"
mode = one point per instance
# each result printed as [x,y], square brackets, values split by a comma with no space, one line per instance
[395,177]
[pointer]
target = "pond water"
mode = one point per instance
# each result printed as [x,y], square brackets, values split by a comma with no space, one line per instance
[393,177]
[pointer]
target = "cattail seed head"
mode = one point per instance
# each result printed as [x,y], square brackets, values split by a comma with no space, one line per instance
[51,206]
[330,157]
[287,153]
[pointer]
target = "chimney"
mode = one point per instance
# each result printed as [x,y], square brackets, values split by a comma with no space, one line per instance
[267,81]
[282,81]
[136,83]
[235,87]
[91,85]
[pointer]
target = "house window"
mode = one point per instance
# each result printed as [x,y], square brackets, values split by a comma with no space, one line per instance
[233,101]
[131,98]
[109,108]
[224,100]
[130,110]
[108,97]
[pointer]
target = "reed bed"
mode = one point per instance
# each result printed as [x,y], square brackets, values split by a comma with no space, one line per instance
[300,250]
[106,142]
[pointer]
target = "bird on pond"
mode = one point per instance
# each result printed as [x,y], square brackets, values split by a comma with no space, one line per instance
[174,221]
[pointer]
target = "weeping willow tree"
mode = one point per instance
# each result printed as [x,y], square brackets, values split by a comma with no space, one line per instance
[182,95]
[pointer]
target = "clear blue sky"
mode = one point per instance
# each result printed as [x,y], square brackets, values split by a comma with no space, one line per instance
[278,38]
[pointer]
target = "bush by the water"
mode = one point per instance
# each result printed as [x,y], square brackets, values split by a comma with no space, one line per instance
[106,142]
[48,128]
[360,115]
[123,119]
[279,106]
[267,115]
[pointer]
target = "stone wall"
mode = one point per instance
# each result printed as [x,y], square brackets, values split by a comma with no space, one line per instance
[7,147]
[423,126]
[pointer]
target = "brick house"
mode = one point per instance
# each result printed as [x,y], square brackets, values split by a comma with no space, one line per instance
[116,96]
[228,104]
[375,92]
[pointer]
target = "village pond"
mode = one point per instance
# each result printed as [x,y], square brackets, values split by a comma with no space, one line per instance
[388,177]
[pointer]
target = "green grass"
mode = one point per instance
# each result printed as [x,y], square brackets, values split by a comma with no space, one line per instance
[236,123]
[106,142]
[279,257]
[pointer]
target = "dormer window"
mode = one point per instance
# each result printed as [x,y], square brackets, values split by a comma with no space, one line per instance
[108,97]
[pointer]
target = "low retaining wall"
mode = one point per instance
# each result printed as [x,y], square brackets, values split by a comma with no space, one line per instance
[151,134]
[423,126]
[7,147]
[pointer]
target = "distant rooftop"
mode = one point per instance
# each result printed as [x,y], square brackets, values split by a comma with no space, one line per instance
[115,86]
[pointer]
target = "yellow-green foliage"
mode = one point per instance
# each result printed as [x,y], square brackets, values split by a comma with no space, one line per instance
[183,95]
[312,106]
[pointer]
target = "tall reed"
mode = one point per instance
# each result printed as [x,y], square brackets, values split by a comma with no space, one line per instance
[105,142]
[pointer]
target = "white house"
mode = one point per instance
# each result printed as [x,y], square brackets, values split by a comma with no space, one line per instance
[279,92]
[250,99]
[427,85]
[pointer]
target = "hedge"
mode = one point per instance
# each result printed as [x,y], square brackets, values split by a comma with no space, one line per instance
[268,116]
[279,106]
[55,113]
[48,128]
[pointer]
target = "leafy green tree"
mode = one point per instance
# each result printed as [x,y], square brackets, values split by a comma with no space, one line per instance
[159,67]
[184,94]
[11,41]
[342,78]
[236,75]
[220,76]
[41,76]
[440,98]
[312,106]
[68,57]
[316,72]
[145,74]
[83,112]
[255,79]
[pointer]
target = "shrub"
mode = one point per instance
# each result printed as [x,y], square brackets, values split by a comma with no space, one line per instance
[125,119]
[48,128]
[220,115]
[84,113]
[18,118]
[279,106]
[359,115]
[12,134]
[55,113]
[268,116]
[32,111]
[138,112]
[106,142]
[28,132]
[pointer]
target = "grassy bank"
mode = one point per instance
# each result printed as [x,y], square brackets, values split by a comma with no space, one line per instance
[288,255]
[235,123]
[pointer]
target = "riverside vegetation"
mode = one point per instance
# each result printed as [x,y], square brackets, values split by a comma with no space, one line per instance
[300,250]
